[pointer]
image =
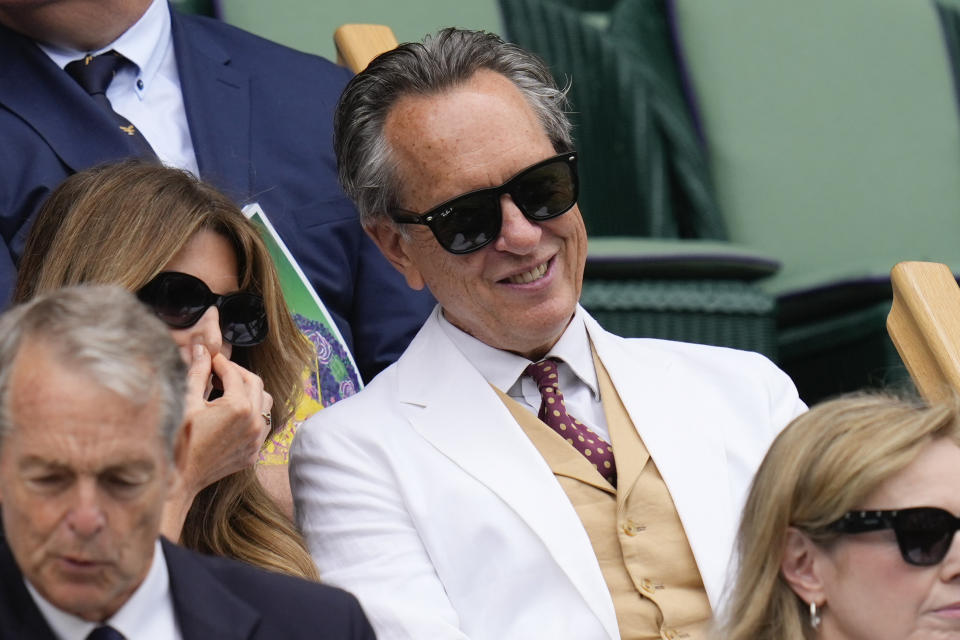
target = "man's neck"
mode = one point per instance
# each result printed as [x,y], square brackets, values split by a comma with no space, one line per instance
[84,25]
[533,350]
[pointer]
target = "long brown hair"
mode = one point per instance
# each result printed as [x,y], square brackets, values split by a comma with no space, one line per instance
[121,224]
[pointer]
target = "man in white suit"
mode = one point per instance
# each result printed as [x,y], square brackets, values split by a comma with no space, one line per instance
[472,490]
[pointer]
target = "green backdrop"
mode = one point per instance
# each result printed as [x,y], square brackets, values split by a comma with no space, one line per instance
[308,25]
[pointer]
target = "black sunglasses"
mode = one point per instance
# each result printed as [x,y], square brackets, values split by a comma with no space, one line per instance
[924,534]
[471,221]
[180,300]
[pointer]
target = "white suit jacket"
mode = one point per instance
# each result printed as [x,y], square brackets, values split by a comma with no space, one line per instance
[423,496]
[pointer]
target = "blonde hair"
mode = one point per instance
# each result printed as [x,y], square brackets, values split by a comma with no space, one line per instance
[825,463]
[121,224]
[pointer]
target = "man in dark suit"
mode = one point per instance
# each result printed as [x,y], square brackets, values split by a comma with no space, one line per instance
[91,403]
[248,115]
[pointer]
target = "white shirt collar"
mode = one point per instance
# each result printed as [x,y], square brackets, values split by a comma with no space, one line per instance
[138,613]
[143,44]
[502,368]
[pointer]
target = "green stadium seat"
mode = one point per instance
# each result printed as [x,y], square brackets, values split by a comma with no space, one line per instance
[830,139]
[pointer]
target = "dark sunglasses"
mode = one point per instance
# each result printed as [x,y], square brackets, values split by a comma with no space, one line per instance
[471,221]
[924,534]
[180,300]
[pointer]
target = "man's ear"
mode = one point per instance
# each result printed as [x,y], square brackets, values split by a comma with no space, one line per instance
[802,567]
[394,248]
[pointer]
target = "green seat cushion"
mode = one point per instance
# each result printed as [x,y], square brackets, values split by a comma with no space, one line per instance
[621,257]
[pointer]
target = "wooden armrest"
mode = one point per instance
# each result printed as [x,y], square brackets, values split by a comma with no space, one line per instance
[358,44]
[924,324]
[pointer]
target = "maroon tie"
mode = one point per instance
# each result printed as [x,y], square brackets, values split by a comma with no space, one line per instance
[554,413]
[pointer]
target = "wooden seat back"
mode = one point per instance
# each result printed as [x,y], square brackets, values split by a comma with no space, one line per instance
[358,44]
[924,324]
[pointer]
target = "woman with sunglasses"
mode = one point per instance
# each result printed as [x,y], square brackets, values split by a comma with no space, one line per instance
[192,256]
[849,529]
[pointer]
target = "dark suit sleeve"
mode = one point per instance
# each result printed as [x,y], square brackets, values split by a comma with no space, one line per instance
[386,313]
[23,188]
[212,594]
[360,628]
[8,275]
[29,170]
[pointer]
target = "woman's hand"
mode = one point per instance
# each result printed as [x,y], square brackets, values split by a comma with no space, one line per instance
[223,436]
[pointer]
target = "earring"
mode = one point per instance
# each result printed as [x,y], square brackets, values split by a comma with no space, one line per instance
[814,616]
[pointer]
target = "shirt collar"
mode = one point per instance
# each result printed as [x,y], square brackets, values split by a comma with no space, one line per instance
[502,368]
[143,44]
[130,620]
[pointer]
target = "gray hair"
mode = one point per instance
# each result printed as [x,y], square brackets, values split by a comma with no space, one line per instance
[441,62]
[104,331]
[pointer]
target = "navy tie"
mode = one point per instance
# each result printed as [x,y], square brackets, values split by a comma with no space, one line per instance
[105,632]
[94,74]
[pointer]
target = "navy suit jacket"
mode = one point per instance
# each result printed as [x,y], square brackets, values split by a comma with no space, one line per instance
[261,122]
[213,599]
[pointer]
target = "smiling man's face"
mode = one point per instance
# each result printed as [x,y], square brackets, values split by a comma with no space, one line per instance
[84,474]
[519,292]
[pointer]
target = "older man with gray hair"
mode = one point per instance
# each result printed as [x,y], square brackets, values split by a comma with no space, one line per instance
[91,401]
[519,472]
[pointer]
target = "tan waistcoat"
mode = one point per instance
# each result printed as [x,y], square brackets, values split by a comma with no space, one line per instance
[635,530]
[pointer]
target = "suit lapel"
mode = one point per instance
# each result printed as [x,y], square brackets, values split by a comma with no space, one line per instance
[684,437]
[216,98]
[78,131]
[205,609]
[437,382]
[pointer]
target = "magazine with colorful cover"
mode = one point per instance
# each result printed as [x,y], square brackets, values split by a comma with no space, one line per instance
[334,373]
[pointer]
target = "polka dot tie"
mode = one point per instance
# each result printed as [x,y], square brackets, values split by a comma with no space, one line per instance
[105,633]
[554,413]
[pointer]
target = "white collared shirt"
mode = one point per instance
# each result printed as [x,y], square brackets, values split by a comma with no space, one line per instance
[578,375]
[148,95]
[147,615]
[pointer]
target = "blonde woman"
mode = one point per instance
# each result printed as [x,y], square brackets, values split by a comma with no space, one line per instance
[191,255]
[849,531]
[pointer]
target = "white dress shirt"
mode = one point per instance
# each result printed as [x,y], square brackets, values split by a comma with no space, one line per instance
[578,375]
[147,615]
[148,94]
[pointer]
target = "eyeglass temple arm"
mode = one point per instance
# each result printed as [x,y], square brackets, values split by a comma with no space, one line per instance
[406,217]
[863,522]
